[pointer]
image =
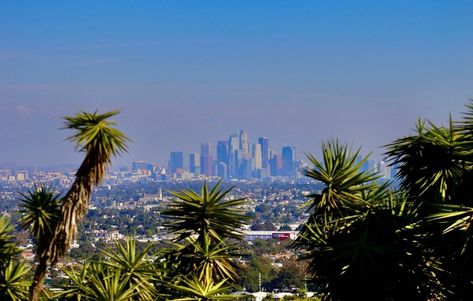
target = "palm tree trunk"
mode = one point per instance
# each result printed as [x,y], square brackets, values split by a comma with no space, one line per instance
[73,210]
[39,275]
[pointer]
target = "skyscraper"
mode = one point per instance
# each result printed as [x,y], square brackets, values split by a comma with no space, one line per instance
[176,162]
[194,163]
[288,160]
[221,170]
[222,152]
[233,145]
[205,160]
[244,143]
[276,165]
[264,150]
[257,155]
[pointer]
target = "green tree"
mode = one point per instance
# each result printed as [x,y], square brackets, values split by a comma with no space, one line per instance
[40,210]
[201,255]
[250,273]
[359,238]
[435,168]
[14,280]
[100,141]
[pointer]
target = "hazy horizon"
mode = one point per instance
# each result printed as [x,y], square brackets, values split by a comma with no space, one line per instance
[188,72]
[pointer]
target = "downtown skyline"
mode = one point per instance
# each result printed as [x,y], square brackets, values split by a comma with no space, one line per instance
[236,157]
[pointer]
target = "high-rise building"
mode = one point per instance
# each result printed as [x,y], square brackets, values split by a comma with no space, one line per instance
[257,156]
[244,170]
[194,163]
[205,160]
[176,162]
[288,160]
[233,146]
[276,165]
[264,151]
[221,170]
[244,142]
[222,151]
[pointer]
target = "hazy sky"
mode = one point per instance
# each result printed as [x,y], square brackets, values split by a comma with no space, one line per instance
[187,72]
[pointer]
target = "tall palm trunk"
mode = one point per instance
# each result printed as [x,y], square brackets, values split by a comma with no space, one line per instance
[95,136]
[38,279]
[73,209]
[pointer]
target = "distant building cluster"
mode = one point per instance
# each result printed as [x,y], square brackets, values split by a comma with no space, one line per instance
[236,158]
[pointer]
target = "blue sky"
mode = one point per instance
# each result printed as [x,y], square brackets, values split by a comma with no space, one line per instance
[187,72]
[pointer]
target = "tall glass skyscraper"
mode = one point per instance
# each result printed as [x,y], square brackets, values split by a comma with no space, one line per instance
[288,160]
[205,160]
[264,151]
[176,161]
[194,163]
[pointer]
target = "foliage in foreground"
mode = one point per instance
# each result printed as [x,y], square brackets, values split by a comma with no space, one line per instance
[365,241]
[362,239]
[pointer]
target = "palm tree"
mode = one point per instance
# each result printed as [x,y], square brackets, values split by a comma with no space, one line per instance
[435,167]
[14,280]
[8,247]
[97,281]
[40,210]
[96,136]
[203,289]
[135,267]
[344,182]
[358,238]
[203,224]
[210,212]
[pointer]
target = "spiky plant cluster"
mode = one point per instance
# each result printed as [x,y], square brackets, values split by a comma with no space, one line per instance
[204,223]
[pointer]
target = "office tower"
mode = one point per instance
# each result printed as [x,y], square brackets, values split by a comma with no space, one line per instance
[222,151]
[221,170]
[244,142]
[233,145]
[205,160]
[176,162]
[288,158]
[276,165]
[257,155]
[244,169]
[194,163]
[264,150]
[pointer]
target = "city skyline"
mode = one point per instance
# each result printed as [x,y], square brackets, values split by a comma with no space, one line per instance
[185,72]
[236,157]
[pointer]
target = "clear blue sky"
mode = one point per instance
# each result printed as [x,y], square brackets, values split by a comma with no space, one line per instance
[186,72]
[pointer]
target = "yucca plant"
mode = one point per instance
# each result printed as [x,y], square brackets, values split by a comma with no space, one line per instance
[198,257]
[135,267]
[40,210]
[8,247]
[203,224]
[435,167]
[208,213]
[430,163]
[203,288]
[343,180]
[14,281]
[100,141]
[360,238]
[98,282]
